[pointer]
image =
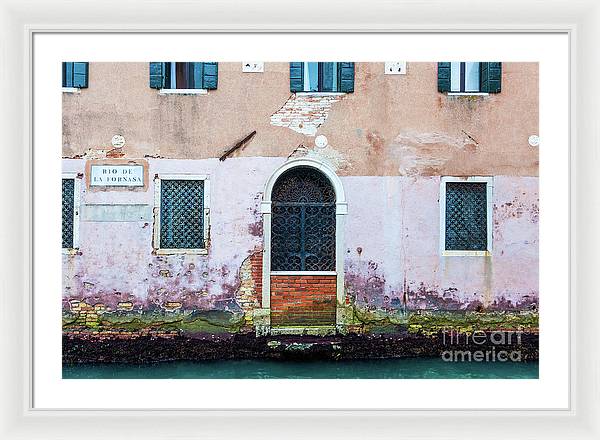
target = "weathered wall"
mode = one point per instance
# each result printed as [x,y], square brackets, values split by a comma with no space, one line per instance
[392,255]
[115,263]
[391,141]
[393,258]
[391,124]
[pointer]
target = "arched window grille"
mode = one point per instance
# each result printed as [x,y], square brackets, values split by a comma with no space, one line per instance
[303,222]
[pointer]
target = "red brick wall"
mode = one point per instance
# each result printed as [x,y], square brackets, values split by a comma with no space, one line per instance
[256,262]
[303,300]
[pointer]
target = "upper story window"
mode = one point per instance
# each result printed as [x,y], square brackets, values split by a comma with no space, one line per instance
[182,223]
[466,215]
[469,77]
[183,75]
[75,75]
[322,77]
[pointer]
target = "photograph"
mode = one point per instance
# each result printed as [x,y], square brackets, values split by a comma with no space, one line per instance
[300,220]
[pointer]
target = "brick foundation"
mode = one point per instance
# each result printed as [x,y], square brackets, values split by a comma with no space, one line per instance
[303,300]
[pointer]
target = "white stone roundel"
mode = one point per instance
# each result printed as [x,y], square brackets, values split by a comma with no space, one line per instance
[118,141]
[321,141]
[534,140]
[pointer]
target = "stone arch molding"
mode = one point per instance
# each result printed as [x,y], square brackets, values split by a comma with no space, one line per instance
[263,323]
[334,179]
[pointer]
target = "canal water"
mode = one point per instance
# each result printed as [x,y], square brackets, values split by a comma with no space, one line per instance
[412,368]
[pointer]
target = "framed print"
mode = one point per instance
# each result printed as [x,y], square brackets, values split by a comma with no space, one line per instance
[305,245]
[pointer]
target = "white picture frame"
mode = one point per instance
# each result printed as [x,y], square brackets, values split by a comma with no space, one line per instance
[19,23]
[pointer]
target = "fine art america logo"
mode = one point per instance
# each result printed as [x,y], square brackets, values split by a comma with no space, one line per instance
[480,346]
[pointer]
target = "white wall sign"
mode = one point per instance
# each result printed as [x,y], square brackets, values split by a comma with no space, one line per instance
[253,66]
[534,140]
[117,175]
[395,67]
[118,141]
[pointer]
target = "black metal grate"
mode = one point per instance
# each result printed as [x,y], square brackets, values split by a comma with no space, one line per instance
[466,216]
[68,211]
[182,214]
[303,222]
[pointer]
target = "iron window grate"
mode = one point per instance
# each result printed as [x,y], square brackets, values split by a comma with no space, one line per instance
[182,214]
[466,216]
[68,212]
[303,222]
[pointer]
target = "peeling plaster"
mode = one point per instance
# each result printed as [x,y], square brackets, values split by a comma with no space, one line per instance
[427,153]
[305,112]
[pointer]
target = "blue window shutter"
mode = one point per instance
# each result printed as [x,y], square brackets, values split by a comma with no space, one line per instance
[296,77]
[490,77]
[346,77]
[157,75]
[80,75]
[210,73]
[443,77]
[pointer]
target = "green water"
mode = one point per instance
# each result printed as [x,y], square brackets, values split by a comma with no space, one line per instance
[416,368]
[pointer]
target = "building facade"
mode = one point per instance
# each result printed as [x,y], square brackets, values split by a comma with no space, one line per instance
[298,197]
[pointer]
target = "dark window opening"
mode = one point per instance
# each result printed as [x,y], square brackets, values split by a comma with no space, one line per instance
[184,75]
[68,212]
[182,214]
[466,216]
[303,222]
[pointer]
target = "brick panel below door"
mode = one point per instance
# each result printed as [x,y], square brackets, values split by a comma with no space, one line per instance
[298,300]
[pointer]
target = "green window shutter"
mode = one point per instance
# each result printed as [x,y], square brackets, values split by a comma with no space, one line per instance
[197,75]
[210,73]
[157,75]
[327,74]
[296,77]
[443,77]
[346,77]
[67,74]
[490,77]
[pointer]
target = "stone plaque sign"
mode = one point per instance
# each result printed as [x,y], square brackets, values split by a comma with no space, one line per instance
[117,175]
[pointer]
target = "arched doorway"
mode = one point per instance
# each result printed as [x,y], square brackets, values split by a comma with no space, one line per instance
[303,211]
[303,222]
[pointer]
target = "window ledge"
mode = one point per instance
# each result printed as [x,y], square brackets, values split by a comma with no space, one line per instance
[71,90]
[466,254]
[70,251]
[321,93]
[468,94]
[181,251]
[183,92]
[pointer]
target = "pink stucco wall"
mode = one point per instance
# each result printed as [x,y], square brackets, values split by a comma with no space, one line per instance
[392,256]
[393,248]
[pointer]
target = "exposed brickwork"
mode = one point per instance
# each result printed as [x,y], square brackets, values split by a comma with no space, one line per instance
[256,263]
[305,112]
[249,295]
[303,300]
